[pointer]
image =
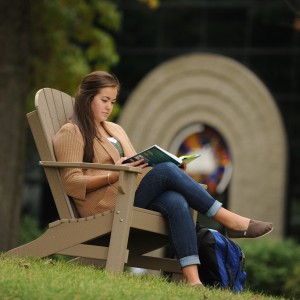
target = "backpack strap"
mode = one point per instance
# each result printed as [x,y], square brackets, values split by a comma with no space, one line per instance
[229,273]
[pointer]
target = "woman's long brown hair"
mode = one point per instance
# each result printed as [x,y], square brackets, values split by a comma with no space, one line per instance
[83,116]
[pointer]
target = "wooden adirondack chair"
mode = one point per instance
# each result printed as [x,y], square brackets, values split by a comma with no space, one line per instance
[113,239]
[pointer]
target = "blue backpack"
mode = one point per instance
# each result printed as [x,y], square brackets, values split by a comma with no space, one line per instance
[222,261]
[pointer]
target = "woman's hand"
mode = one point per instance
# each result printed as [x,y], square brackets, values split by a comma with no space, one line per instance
[114,176]
[139,163]
[183,167]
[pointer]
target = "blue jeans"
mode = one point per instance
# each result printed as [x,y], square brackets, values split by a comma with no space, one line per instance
[170,191]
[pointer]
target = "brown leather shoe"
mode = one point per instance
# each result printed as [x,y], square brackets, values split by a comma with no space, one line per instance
[255,229]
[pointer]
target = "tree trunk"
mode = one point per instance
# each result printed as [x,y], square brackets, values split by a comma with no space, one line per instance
[14,36]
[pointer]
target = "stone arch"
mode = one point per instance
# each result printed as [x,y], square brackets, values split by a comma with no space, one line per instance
[222,93]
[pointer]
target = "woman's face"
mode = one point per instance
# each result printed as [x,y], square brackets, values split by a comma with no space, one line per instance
[103,103]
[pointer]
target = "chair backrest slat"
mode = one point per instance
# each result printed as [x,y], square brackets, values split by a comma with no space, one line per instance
[68,105]
[47,105]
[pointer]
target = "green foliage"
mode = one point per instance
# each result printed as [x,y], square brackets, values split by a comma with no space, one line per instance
[270,266]
[292,285]
[69,39]
[29,229]
[30,279]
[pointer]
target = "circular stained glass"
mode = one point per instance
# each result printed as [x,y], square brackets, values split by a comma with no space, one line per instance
[214,167]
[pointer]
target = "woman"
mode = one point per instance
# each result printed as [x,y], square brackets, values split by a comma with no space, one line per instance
[165,188]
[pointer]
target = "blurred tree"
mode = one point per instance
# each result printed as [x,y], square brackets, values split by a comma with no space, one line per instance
[13,91]
[43,43]
[69,39]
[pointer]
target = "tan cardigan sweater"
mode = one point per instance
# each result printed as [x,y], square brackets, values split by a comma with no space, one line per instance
[68,147]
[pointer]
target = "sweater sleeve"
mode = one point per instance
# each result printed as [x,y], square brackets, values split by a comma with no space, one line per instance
[68,147]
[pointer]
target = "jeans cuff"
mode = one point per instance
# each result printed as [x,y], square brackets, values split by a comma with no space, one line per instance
[189,260]
[213,209]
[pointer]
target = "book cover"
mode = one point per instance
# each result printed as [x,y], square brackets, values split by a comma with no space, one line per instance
[155,155]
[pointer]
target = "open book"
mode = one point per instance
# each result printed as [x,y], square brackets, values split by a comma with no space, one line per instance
[155,155]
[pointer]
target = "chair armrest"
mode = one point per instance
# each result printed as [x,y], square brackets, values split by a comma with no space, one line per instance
[81,165]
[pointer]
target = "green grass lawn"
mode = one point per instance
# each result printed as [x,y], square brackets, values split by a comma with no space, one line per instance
[28,278]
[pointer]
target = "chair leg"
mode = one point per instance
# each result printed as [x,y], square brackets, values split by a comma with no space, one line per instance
[117,253]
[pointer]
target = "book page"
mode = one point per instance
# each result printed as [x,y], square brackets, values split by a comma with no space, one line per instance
[154,155]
